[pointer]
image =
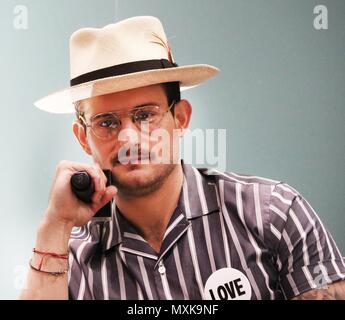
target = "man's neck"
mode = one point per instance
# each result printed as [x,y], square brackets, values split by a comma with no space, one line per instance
[151,214]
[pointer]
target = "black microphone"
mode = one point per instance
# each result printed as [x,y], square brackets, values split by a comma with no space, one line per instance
[83,187]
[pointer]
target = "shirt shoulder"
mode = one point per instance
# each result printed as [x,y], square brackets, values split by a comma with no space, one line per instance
[235,177]
[241,187]
[261,204]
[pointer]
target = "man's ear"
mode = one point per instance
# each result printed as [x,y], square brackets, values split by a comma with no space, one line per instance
[182,114]
[80,134]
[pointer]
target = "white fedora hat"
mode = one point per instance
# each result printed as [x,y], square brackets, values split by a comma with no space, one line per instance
[126,55]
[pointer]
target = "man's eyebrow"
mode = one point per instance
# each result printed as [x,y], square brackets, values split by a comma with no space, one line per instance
[121,110]
[146,104]
[138,106]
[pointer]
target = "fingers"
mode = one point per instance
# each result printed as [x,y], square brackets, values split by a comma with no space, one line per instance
[108,194]
[102,194]
[97,175]
[100,181]
[101,175]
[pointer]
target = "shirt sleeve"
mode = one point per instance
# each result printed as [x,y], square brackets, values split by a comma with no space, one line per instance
[305,253]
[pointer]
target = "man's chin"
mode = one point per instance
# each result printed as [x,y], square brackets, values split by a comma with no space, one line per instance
[139,179]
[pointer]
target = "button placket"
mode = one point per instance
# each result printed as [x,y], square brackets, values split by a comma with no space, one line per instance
[162,272]
[161,268]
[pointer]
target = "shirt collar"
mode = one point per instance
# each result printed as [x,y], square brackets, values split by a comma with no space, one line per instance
[198,197]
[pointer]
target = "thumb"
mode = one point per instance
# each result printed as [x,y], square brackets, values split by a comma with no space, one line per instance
[108,195]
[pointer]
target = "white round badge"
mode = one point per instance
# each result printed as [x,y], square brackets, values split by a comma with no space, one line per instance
[227,284]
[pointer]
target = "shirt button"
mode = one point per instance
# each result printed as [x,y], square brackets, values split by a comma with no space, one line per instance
[161,269]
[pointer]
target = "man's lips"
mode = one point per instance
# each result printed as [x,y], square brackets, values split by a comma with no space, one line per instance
[131,159]
[136,159]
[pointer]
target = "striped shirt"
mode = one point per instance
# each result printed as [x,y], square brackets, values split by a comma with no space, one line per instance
[261,227]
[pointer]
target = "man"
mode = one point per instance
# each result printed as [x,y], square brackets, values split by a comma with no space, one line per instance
[174,229]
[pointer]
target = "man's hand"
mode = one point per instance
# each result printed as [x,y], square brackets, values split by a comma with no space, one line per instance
[64,207]
[64,212]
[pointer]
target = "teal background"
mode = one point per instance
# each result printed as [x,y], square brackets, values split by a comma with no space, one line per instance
[280,95]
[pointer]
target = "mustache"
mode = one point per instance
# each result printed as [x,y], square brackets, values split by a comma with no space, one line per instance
[132,154]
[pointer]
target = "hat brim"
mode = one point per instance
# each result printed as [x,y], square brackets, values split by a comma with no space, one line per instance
[188,76]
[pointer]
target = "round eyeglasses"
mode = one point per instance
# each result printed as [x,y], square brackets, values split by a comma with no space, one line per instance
[107,125]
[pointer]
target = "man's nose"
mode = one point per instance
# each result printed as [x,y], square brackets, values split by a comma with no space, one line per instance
[129,130]
[142,128]
[127,123]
